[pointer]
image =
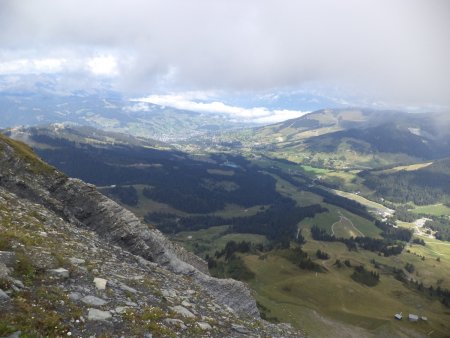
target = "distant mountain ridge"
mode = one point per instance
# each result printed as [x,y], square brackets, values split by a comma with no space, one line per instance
[354,137]
[112,112]
[80,134]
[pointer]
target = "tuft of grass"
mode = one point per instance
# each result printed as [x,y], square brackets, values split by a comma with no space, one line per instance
[36,165]
[6,329]
[149,319]
[34,320]
[61,261]
[11,237]
[153,314]
[24,268]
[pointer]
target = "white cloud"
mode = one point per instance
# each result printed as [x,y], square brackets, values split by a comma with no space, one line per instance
[398,49]
[280,115]
[137,107]
[103,65]
[186,102]
[32,66]
[97,65]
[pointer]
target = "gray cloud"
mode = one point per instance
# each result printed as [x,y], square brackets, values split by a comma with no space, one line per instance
[395,49]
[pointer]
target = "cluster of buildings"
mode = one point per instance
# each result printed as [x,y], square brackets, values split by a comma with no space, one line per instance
[411,317]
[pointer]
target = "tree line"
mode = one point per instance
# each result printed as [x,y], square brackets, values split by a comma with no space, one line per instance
[386,246]
[277,222]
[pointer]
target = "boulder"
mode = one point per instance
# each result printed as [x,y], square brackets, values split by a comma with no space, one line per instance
[4,271]
[95,314]
[94,301]
[4,298]
[182,311]
[204,326]
[175,322]
[60,272]
[100,283]
[76,261]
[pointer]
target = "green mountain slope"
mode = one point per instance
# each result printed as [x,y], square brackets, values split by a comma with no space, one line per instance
[352,138]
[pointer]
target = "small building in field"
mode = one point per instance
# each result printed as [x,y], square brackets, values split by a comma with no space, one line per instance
[398,316]
[413,318]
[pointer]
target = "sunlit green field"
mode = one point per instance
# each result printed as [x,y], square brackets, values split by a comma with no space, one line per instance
[411,167]
[208,241]
[434,209]
[326,220]
[371,205]
[314,170]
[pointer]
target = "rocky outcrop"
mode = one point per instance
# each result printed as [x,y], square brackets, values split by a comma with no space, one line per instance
[82,205]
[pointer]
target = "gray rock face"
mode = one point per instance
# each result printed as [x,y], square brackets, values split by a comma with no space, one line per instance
[84,205]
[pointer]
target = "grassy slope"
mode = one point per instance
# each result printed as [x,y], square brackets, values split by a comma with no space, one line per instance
[27,155]
[411,167]
[316,302]
[327,219]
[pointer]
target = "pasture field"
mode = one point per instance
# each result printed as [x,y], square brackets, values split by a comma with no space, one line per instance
[317,171]
[303,198]
[411,167]
[344,228]
[326,220]
[208,241]
[331,304]
[434,210]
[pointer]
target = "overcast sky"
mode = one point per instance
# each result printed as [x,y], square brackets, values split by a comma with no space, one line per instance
[394,51]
